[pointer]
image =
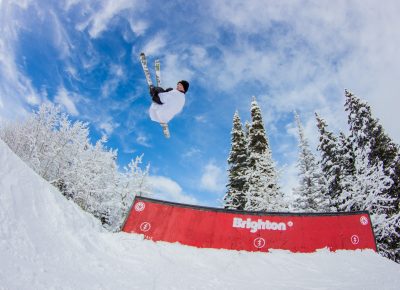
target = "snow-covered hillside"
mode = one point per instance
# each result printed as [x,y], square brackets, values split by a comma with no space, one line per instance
[47,242]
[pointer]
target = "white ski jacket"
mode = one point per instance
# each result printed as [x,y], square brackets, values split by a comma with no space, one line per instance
[173,102]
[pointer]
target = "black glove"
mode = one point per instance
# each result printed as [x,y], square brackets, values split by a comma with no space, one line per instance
[156,99]
[154,91]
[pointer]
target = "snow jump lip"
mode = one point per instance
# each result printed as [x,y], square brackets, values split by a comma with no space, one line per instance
[207,227]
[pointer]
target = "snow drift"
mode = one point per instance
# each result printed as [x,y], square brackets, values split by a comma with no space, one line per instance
[47,242]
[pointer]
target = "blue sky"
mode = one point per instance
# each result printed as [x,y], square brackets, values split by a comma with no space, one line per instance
[290,55]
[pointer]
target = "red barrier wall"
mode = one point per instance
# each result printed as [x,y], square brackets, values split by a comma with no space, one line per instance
[237,230]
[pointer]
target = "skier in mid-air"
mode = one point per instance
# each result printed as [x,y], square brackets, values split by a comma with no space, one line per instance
[167,103]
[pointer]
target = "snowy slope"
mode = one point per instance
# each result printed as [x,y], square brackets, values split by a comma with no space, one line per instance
[47,242]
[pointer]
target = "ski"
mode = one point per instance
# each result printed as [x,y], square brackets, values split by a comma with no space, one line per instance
[158,72]
[157,66]
[165,130]
[146,71]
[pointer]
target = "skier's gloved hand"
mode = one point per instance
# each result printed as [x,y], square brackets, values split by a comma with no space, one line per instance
[156,99]
[152,90]
[168,90]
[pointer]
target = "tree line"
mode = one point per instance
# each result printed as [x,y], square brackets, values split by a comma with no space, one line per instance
[61,152]
[352,171]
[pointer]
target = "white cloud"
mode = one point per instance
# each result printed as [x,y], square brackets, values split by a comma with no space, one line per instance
[201,118]
[213,178]
[143,139]
[99,20]
[16,89]
[138,27]
[117,75]
[313,52]
[199,57]
[108,127]
[154,45]
[308,64]
[67,100]
[175,69]
[166,189]
[191,152]
[60,35]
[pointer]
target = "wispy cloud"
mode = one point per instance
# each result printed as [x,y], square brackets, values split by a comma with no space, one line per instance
[138,27]
[111,8]
[166,189]
[201,118]
[116,76]
[155,44]
[191,152]
[213,178]
[175,68]
[303,44]
[16,89]
[67,100]
[143,139]
[60,37]
[108,127]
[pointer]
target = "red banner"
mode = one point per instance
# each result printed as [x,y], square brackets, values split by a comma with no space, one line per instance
[250,231]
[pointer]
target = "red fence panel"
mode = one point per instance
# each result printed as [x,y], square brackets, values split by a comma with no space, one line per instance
[206,227]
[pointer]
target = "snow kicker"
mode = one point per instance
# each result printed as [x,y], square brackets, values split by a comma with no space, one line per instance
[206,227]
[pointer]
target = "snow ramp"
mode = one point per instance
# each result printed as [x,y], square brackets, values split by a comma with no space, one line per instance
[206,227]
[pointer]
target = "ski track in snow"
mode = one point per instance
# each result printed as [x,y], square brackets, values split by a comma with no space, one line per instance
[48,242]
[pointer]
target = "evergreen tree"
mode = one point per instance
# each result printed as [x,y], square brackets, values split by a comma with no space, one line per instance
[346,159]
[330,165]
[365,129]
[235,197]
[367,134]
[368,184]
[369,192]
[247,126]
[312,188]
[263,192]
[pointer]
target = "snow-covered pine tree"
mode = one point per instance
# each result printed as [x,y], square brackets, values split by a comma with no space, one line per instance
[365,129]
[263,193]
[330,165]
[247,126]
[311,191]
[367,192]
[237,161]
[345,157]
[366,132]
[369,183]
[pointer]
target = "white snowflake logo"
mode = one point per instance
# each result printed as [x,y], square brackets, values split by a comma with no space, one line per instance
[145,226]
[140,206]
[364,220]
[355,239]
[259,243]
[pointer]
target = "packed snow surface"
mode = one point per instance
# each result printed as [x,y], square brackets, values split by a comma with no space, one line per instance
[48,242]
